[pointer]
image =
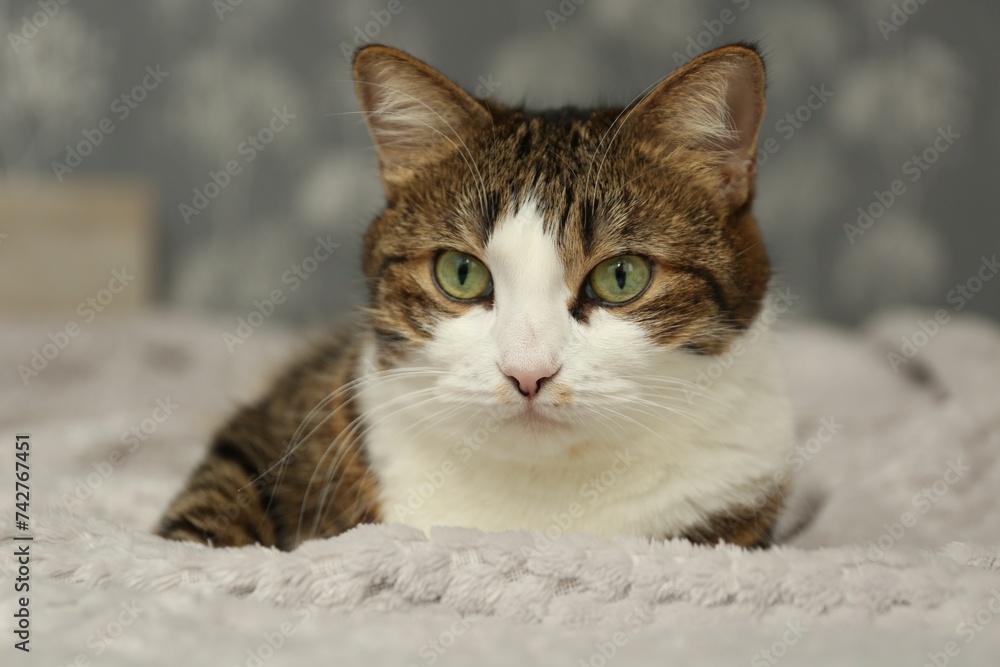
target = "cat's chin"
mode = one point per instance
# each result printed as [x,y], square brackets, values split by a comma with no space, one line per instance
[542,430]
[543,420]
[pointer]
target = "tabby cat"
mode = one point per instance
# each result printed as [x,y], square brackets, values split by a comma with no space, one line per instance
[563,331]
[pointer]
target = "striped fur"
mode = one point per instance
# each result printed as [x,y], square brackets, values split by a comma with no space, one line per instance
[669,178]
[263,477]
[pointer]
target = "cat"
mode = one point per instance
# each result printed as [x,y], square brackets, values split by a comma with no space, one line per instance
[563,334]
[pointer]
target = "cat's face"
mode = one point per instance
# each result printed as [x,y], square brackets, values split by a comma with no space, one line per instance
[548,266]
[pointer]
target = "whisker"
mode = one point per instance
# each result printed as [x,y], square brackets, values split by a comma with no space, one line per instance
[663,417]
[440,414]
[297,438]
[349,431]
[353,384]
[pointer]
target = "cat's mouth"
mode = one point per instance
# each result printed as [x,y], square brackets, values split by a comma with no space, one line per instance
[540,416]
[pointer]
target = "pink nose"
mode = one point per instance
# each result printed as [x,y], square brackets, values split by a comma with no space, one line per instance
[529,381]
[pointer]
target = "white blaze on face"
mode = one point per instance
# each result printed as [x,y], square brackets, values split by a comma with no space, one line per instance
[533,323]
[530,334]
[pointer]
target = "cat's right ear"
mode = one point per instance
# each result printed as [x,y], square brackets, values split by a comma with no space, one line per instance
[415,114]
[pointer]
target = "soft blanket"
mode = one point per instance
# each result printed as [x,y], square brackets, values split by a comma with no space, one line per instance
[889,556]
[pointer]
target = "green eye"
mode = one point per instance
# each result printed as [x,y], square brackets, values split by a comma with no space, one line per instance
[462,276]
[619,279]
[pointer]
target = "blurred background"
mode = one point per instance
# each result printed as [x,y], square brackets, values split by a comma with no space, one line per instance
[204,150]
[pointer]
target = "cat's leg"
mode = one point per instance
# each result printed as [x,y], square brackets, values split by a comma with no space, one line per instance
[291,468]
[227,500]
[748,525]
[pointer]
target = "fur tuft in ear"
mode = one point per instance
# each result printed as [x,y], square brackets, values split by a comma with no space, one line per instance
[714,106]
[415,115]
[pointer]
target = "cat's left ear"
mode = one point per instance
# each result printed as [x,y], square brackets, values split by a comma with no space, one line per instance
[714,106]
[415,114]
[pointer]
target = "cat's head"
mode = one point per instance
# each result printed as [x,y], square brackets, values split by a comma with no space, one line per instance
[544,262]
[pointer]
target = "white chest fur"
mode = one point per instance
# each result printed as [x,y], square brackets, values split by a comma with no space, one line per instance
[637,470]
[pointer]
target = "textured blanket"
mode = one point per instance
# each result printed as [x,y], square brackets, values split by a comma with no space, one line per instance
[889,551]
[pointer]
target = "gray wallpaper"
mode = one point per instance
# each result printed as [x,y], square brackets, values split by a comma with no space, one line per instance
[877,164]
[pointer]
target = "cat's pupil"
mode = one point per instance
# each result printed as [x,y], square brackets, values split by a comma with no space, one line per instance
[463,271]
[620,275]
